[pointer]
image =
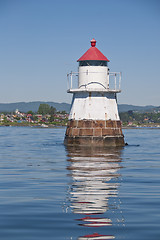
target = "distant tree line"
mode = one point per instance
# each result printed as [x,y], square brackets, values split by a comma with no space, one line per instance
[138,117]
[46,109]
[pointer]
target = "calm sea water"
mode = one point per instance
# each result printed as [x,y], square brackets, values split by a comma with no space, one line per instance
[48,191]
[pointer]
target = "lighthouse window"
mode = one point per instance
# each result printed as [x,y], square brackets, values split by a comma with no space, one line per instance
[93,63]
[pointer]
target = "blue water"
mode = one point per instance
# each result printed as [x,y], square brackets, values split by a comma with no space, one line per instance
[48,191]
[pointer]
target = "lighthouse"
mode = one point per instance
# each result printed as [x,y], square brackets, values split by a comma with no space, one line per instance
[94,118]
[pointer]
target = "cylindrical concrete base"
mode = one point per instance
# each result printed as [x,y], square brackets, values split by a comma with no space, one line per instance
[94,132]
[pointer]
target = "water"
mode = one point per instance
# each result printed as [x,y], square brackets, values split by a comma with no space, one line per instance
[48,191]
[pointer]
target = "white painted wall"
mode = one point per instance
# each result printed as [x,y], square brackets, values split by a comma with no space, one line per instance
[93,77]
[95,106]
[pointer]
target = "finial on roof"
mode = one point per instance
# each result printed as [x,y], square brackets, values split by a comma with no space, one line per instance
[93,42]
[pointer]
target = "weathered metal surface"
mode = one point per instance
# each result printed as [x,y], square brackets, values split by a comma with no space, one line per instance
[92,132]
[95,141]
[96,106]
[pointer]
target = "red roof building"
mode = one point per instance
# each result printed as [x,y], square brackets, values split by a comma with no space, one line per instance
[93,54]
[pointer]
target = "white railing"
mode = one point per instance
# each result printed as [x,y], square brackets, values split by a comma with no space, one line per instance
[72,80]
[113,80]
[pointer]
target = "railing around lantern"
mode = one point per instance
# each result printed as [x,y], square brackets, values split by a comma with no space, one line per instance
[72,80]
[113,82]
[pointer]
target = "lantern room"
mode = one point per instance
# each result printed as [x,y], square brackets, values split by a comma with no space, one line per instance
[93,73]
[93,69]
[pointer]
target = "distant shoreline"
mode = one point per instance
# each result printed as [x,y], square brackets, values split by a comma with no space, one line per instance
[32,125]
[61,125]
[141,127]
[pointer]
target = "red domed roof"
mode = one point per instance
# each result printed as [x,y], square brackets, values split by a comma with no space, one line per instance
[93,53]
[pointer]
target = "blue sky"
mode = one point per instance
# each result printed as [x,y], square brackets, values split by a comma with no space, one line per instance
[41,41]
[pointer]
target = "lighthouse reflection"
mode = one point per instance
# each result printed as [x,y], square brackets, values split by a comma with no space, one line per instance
[95,177]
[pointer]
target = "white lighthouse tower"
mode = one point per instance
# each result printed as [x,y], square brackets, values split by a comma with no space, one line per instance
[94,118]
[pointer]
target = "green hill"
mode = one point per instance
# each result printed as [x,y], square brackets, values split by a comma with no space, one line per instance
[33,106]
[127,107]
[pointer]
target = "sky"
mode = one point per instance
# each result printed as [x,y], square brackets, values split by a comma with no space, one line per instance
[41,41]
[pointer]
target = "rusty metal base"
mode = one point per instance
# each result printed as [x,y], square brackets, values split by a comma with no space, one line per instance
[110,141]
[94,133]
